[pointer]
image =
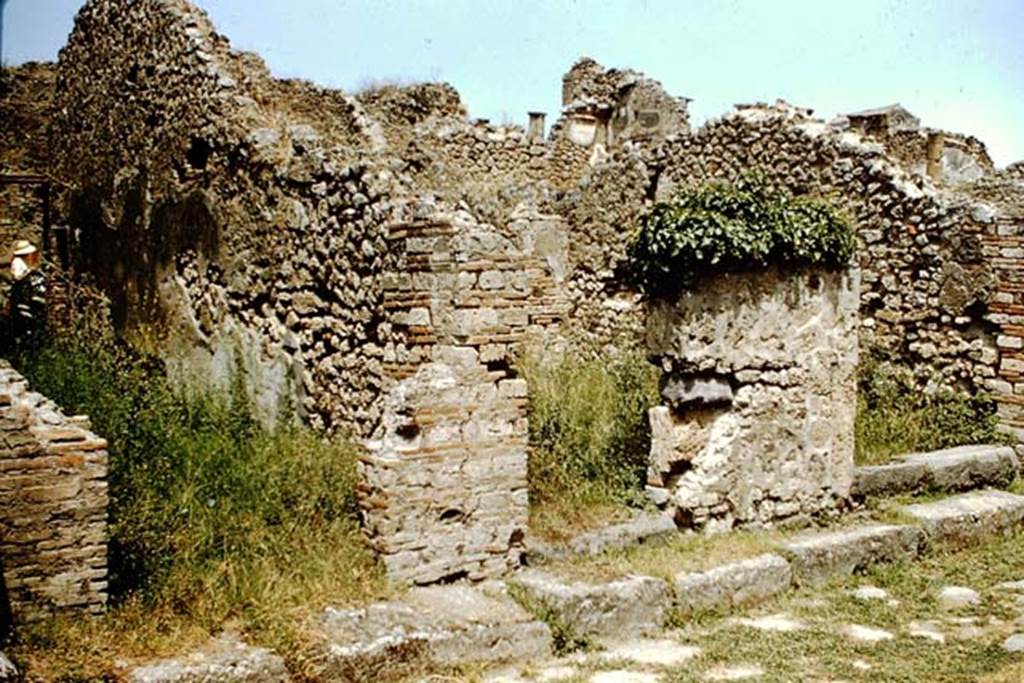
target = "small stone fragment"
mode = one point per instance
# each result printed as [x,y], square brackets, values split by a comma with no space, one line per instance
[621,676]
[1014,643]
[866,634]
[958,597]
[661,652]
[734,673]
[867,593]
[926,630]
[781,623]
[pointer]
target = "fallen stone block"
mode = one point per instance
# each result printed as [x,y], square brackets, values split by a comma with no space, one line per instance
[632,604]
[952,469]
[643,528]
[225,660]
[817,557]
[437,625]
[735,584]
[961,520]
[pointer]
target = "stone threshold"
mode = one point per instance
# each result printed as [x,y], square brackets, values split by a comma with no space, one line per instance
[949,470]
[500,622]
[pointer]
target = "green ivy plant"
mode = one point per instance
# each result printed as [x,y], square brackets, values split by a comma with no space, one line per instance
[746,225]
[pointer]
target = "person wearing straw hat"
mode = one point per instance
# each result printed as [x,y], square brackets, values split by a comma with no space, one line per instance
[26,307]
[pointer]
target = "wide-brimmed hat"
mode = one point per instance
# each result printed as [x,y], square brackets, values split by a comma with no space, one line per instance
[24,248]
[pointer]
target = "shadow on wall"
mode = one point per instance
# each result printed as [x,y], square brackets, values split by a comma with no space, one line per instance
[130,259]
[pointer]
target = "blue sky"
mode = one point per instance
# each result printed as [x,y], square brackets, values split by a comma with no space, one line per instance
[958,64]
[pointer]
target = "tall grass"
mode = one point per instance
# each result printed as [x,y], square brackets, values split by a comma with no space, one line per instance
[215,520]
[894,416]
[589,434]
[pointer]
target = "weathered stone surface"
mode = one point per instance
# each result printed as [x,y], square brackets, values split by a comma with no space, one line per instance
[760,375]
[643,528]
[225,660]
[958,597]
[953,469]
[655,652]
[866,634]
[439,625]
[1014,643]
[734,584]
[682,391]
[819,556]
[964,519]
[632,604]
[53,506]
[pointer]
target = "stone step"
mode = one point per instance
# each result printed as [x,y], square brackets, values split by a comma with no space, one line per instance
[642,528]
[732,585]
[952,469]
[962,520]
[226,660]
[632,604]
[816,557]
[436,625]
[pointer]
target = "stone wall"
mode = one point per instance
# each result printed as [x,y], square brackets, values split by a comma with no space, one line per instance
[26,96]
[444,480]
[357,253]
[925,282]
[53,505]
[760,393]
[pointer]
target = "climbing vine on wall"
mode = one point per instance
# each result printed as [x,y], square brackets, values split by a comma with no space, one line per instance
[745,225]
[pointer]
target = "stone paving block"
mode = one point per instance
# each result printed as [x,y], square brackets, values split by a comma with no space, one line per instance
[952,469]
[632,604]
[224,660]
[437,625]
[643,528]
[961,520]
[816,557]
[734,584]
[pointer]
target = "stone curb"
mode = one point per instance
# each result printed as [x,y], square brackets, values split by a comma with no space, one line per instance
[436,625]
[225,660]
[642,529]
[817,557]
[952,469]
[959,520]
[732,585]
[634,604]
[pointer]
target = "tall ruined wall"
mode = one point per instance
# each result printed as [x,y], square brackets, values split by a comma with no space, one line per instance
[925,283]
[210,203]
[53,506]
[26,99]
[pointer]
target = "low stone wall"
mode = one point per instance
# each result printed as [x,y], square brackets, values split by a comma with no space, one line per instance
[760,390]
[53,505]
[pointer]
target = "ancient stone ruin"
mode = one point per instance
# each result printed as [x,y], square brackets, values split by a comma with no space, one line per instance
[53,506]
[761,392]
[377,259]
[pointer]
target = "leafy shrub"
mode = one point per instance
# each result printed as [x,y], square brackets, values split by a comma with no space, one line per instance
[733,227]
[894,416]
[213,517]
[589,435]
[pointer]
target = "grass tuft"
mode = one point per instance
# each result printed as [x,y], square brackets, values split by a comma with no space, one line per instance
[895,417]
[216,521]
[589,435]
